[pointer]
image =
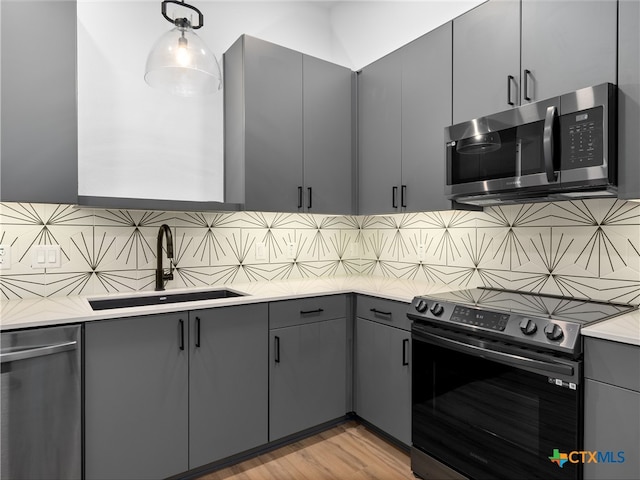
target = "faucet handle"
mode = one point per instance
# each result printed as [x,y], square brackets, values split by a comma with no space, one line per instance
[167,274]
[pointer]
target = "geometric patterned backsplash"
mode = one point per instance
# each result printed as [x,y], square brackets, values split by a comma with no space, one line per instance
[585,249]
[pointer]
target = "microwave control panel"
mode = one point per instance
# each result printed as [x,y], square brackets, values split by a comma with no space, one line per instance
[582,139]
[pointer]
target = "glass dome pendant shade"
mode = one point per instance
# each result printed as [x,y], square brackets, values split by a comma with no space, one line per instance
[180,63]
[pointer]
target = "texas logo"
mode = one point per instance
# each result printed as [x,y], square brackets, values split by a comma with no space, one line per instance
[559,458]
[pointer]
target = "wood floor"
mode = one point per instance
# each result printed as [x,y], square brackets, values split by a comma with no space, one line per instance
[346,452]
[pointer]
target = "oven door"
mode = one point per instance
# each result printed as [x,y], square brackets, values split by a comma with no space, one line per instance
[489,411]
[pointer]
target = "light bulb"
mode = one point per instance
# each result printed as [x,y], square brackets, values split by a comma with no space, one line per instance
[183,57]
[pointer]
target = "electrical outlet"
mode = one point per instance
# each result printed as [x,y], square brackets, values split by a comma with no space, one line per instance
[5,257]
[261,251]
[421,251]
[45,256]
[291,250]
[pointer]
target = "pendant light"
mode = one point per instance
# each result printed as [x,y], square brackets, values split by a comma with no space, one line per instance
[180,63]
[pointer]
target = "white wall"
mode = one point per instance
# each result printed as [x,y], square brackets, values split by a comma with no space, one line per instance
[137,142]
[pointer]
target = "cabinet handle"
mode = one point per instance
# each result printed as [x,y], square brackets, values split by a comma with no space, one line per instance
[510,79]
[181,323]
[277,349]
[403,196]
[527,74]
[197,332]
[307,312]
[310,195]
[299,197]
[380,312]
[405,344]
[394,197]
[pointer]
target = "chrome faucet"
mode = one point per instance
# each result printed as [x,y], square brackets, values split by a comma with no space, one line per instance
[161,274]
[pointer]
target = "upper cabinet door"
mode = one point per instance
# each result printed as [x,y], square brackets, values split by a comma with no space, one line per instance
[273,126]
[39,116]
[486,59]
[629,100]
[327,128]
[426,111]
[567,45]
[379,135]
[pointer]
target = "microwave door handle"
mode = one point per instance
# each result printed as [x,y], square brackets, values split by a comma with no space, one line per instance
[548,143]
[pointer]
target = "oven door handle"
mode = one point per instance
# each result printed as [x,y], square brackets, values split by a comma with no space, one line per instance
[505,358]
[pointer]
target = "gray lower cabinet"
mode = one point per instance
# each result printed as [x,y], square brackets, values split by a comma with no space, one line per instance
[288,128]
[228,382]
[136,397]
[612,409]
[383,366]
[168,393]
[39,152]
[628,99]
[307,363]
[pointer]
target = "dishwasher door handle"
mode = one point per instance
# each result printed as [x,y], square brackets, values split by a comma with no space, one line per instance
[35,352]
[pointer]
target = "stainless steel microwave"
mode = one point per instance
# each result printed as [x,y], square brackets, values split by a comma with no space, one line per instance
[556,149]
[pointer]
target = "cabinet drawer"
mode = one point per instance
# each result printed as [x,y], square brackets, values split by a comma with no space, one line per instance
[612,362]
[388,312]
[306,310]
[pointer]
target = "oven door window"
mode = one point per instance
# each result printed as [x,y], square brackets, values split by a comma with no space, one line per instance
[488,420]
[519,154]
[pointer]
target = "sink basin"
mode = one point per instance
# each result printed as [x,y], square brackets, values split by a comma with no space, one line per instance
[161,299]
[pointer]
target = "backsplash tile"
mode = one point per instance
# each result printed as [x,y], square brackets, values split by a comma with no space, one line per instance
[588,249]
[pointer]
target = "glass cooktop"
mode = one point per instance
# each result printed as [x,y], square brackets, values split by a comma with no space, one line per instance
[560,308]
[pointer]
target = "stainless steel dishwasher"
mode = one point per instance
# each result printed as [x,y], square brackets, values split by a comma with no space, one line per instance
[40,435]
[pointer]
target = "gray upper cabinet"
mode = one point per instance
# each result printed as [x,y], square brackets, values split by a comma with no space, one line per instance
[486,59]
[567,45]
[307,363]
[404,105]
[287,130]
[327,131]
[39,115]
[507,53]
[228,382]
[380,135]
[136,397]
[426,111]
[629,99]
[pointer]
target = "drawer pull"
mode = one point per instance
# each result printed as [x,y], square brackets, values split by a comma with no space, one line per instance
[308,312]
[277,349]
[380,312]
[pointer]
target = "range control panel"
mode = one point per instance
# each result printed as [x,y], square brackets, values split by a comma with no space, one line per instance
[547,333]
[479,318]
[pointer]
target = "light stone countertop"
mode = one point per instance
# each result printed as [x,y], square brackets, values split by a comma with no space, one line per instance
[42,312]
[625,329]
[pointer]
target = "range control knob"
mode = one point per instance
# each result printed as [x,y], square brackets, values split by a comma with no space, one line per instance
[553,331]
[528,326]
[437,309]
[422,306]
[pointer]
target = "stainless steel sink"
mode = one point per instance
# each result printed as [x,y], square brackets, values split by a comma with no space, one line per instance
[161,299]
